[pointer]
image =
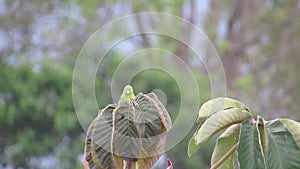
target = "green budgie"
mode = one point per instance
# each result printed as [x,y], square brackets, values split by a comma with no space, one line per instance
[127,94]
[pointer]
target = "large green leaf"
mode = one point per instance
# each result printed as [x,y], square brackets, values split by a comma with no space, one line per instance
[164,115]
[153,122]
[282,152]
[98,143]
[219,121]
[250,152]
[193,147]
[215,105]
[294,128]
[155,150]
[262,134]
[126,134]
[224,143]
[102,155]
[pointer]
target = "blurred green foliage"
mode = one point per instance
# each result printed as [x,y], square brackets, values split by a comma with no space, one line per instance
[36,113]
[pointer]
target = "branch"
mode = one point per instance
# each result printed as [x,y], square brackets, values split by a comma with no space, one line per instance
[230,152]
[140,25]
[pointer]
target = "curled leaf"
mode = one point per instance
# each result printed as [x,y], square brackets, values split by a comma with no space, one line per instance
[215,105]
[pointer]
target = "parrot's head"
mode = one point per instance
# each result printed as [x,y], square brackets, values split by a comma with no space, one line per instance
[128,90]
[127,94]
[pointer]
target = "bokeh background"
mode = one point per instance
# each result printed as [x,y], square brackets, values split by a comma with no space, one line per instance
[258,43]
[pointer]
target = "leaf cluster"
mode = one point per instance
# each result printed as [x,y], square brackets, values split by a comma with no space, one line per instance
[128,134]
[247,142]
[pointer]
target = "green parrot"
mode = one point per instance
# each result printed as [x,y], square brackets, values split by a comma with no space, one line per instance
[127,94]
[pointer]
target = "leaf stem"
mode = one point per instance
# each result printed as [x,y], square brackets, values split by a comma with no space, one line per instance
[231,151]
